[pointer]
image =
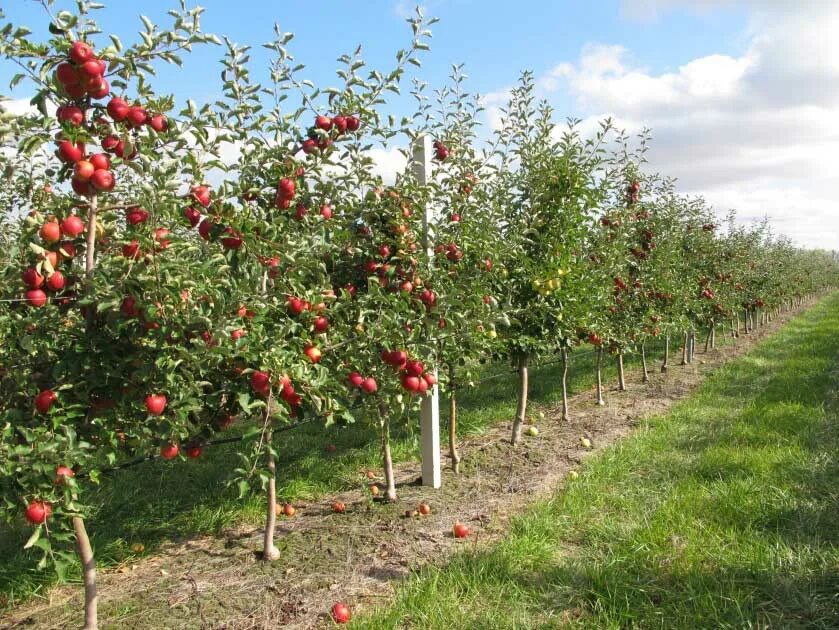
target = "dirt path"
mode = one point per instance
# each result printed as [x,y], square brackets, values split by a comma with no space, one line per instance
[359,556]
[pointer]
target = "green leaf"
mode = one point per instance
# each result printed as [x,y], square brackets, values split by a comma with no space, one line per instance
[33,538]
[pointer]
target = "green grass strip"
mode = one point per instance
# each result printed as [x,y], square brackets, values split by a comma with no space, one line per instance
[723,513]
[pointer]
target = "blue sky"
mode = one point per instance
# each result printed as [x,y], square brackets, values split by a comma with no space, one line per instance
[496,39]
[742,96]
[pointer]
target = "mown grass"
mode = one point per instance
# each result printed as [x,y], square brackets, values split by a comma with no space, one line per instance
[723,513]
[157,501]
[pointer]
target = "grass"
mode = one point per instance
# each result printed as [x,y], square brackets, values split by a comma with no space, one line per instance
[157,502]
[723,513]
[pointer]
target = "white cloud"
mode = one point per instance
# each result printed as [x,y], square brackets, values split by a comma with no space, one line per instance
[755,132]
[387,163]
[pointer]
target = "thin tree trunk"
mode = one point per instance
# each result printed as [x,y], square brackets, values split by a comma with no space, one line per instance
[565,384]
[621,376]
[600,400]
[646,375]
[90,239]
[708,338]
[736,324]
[390,492]
[685,350]
[666,363]
[521,411]
[455,456]
[713,337]
[691,345]
[269,550]
[91,613]
[91,621]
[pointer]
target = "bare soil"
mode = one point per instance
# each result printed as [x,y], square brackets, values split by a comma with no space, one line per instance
[360,556]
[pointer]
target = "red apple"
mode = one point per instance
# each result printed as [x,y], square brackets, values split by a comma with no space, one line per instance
[32,279]
[286,188]
[340,123]
[353,123]
[160,236]
[192,215]
[194,451]
[137,116]
[71,114]
[72,225]
[38,512]
[233,240]
[101,91]
[45,400]
[131,250]
[80,52]
[50,232]
[369,385]
[169,451]
[338,507]
[62,474]
[159,123]
[201,195]
[69,152]
[341,613]
[295,305]
[424,509]
[355,379]
[321,324]
[118,109]
[36,298]
[110,143]
[414,368]
[67,74]
[100,161]
[56,281]
[460,530]
[261,382]
[155,404]
[103,180]
[323,122]
[135,216]
[313,353]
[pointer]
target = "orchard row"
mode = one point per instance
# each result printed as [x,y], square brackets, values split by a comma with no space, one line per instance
[156,292]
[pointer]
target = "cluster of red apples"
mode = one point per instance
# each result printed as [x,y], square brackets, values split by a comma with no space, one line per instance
[82,78]
[46,275]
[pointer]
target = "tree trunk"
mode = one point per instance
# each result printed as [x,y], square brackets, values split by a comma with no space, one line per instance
[736,324]
[455,456]
[685,349]
[522,406]
[621,376]
[390,492]
[91,614]
[708,338]
[646,375]
[565,384]
[713,337]
[91,621]
[600,400]
[90,239]
[666,363]
[691,345]
[746,317]
[269,551]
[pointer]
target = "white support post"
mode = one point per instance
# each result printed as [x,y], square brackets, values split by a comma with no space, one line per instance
[430,409]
